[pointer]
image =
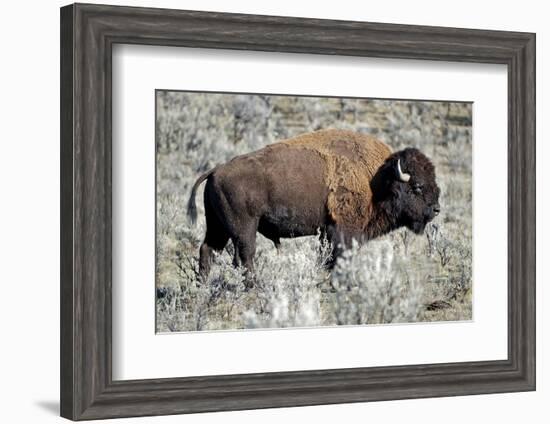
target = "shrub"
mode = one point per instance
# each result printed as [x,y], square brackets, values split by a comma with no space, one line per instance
[371,287]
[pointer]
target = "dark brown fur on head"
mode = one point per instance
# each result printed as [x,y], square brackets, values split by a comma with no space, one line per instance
[412,203]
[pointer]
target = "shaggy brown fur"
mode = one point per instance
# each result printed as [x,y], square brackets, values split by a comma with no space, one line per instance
[351,160]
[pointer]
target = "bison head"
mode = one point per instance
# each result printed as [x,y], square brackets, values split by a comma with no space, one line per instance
[405,189]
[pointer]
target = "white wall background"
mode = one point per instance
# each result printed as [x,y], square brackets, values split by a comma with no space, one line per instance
[29,224]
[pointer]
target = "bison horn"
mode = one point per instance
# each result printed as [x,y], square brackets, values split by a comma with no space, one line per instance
[403,176]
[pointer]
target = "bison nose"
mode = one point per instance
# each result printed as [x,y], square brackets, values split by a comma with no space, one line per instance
[436,209]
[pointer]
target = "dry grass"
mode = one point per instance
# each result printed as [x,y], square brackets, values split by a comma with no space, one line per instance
[400,277]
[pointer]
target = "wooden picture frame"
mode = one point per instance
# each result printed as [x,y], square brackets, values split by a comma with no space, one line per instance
[88,33]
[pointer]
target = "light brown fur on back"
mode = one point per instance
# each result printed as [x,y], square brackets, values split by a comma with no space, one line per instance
[351,161]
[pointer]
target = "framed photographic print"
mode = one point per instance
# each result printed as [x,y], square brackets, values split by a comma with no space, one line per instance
[263,211]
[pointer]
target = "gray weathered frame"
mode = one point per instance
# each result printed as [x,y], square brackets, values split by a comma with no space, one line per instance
[88,33]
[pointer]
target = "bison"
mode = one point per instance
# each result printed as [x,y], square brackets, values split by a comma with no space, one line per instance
[340,184]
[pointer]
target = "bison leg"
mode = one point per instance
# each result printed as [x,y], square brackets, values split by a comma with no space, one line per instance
[337,243]
[215,240]
[244,252]
[245,249]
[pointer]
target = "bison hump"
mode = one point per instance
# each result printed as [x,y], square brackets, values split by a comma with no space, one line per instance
[351,160]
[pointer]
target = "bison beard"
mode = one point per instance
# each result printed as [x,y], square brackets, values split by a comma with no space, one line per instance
[342,184]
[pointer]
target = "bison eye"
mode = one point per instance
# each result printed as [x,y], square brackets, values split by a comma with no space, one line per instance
[417,188]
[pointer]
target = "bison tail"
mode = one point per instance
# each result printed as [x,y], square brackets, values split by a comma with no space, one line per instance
[191,205]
